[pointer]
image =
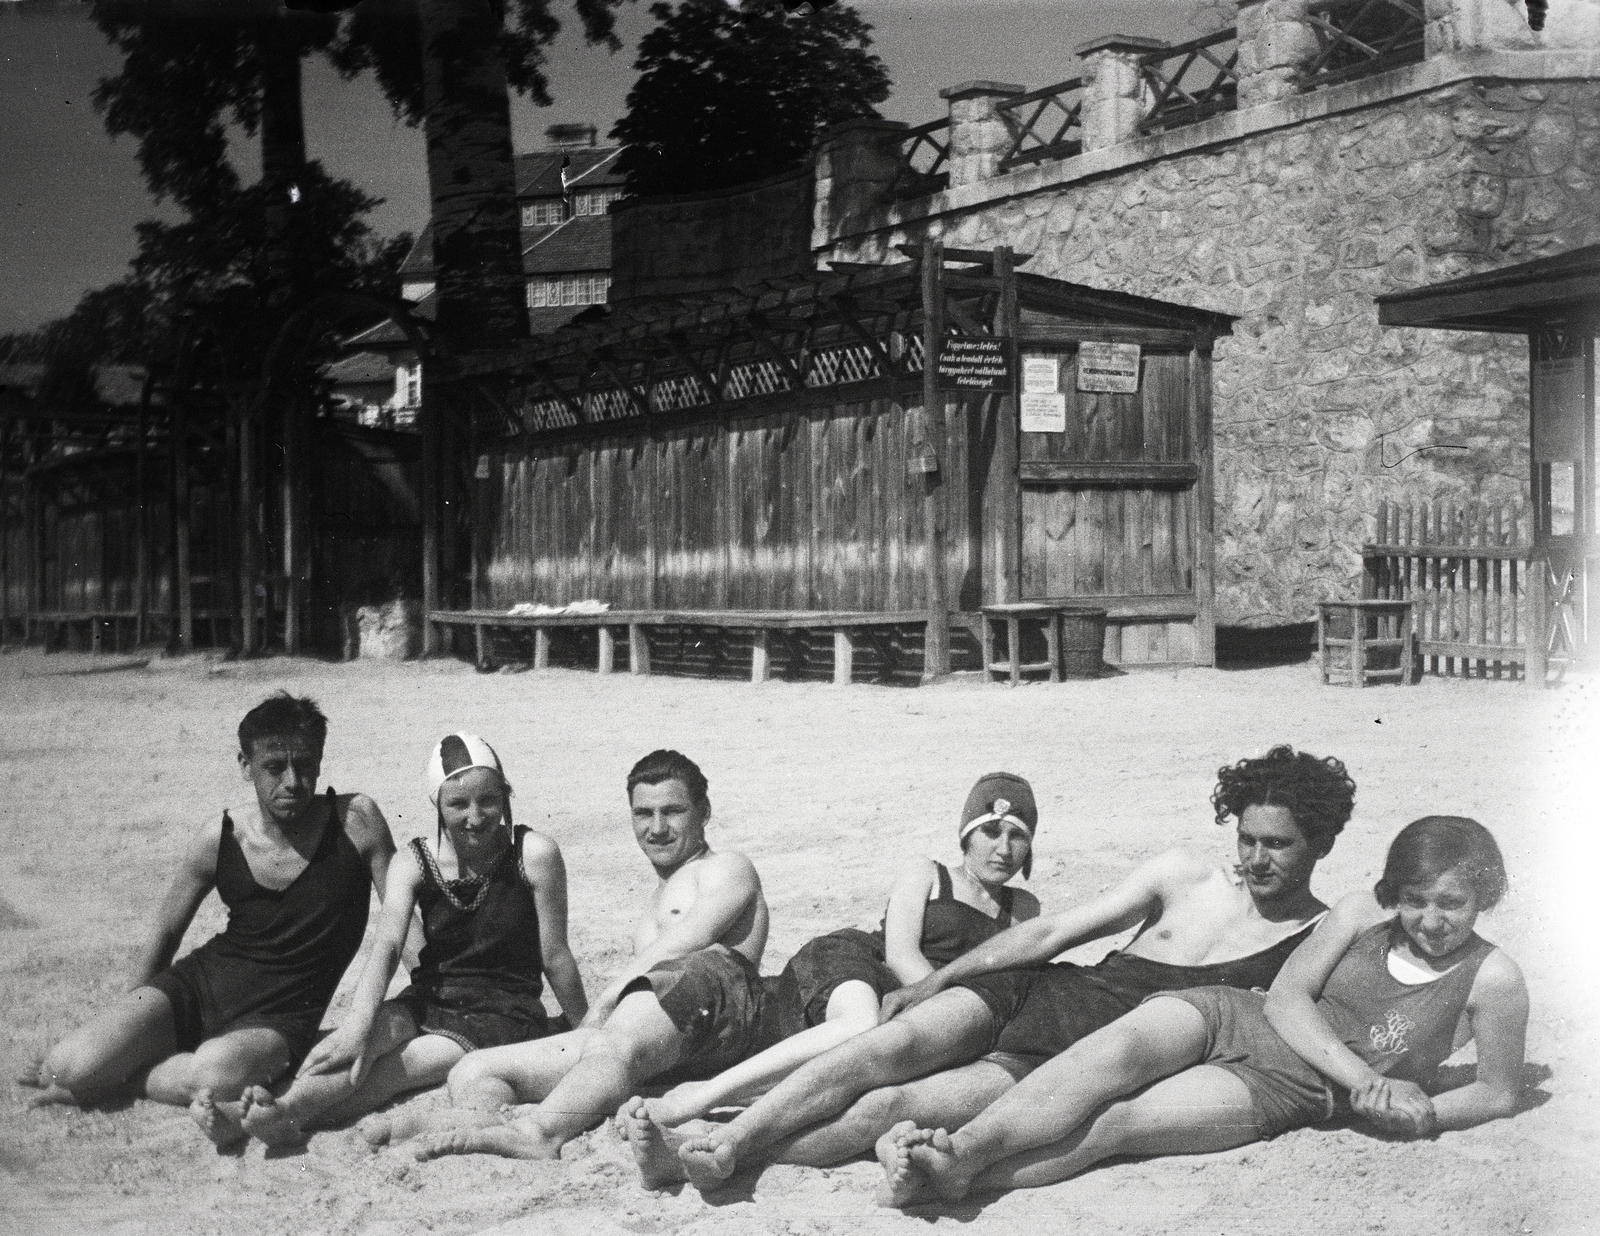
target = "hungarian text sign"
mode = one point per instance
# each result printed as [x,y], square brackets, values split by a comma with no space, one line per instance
[975,363]
[1110,367]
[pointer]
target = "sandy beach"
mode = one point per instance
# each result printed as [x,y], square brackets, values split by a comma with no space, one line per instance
[827,789]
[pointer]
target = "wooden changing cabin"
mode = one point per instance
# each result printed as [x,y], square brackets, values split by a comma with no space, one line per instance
[768,451]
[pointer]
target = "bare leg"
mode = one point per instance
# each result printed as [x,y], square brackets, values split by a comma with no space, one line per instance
[487,1080]
[216,1076]
[952,1028]
[107,1051]
[944,1100]
[852,1010]
[404,1061]
[637,1042]
[1154,1041]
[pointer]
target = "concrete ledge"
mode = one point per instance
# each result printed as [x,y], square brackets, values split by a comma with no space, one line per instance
[1402,83]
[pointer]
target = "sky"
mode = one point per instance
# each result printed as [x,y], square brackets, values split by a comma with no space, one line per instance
[70,195]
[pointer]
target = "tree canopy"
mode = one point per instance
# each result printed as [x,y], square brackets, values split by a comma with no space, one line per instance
[727,95]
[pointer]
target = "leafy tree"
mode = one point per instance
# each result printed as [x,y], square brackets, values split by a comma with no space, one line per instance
[727,95]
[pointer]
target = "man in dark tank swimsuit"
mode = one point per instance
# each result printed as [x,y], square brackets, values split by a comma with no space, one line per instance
[989,1017]
[244,1007]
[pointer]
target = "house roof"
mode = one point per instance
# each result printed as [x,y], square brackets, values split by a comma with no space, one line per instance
[386,338]
[582,243]
[363,367]
[1513,299]
[539,172]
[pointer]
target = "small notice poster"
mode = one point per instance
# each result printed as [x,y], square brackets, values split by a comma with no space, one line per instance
[1109,367]
[975,363]
[1044,413]
[1041,375]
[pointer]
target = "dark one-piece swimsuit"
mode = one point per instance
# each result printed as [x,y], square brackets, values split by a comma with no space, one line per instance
[481,971]
[949,929]
[276,964]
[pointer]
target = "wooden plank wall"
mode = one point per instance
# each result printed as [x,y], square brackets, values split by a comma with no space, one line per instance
[797,509]
[1116,540]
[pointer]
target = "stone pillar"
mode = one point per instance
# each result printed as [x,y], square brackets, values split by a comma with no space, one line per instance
[1115,97]
[979,139]
[1276,45]
[1481,25]
[856,166]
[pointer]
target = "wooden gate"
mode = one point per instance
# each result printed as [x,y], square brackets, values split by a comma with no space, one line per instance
[1116,509]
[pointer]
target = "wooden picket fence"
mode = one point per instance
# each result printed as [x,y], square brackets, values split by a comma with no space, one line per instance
[1468,571]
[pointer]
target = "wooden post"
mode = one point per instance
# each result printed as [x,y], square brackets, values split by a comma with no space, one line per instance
[1538,631]
[607,651]
[5,531]
[293,525]
[638,649]
[936,641]
[141,525]
[428,421]
[844,653]
[761,655]
[1205,547]
[541,648]
[178,446]
[480,646]
[1008,510]
[248,508]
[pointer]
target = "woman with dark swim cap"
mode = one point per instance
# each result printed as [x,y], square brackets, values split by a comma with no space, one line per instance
[493,901]
[831,988]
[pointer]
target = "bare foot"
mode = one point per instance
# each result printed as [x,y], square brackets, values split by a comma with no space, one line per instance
[52,1094]
[653,1150]
[265,1118]
[938,1162]
[376,1130]
[708,1161]
[218,1121]
[683,1102]
[903,1184]
[503,1140]
[31,1074]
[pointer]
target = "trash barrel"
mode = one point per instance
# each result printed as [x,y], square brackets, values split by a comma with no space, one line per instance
[1083,641]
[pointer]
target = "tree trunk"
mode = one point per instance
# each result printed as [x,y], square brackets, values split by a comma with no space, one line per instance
[477,265]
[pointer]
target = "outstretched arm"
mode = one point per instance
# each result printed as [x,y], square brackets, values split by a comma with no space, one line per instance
[1036,941]
[1497,1011]
[542,864]
[902,922]
[369,833]
[346,1047]
[727,888]
[196,876]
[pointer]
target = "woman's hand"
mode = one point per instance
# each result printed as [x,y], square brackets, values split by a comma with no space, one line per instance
[909,996]
[345,1048]
[1399,1107]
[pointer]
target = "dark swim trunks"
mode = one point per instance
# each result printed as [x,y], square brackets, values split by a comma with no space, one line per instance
[197,1015]
[475,1016]
[716,999]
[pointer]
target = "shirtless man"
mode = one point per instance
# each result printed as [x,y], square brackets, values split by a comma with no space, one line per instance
[243,1008]
[1000,1012]
[690,1002]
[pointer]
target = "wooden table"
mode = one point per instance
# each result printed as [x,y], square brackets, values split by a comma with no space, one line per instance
[1393,630]
[845,626]
[1013,615]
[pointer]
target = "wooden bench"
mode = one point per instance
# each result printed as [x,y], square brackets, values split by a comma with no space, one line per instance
[846,627]
[53,626]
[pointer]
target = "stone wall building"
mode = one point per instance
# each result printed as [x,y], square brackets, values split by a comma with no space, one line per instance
[1293,187]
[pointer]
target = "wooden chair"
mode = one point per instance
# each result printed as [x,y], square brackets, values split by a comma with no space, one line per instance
[1392,630]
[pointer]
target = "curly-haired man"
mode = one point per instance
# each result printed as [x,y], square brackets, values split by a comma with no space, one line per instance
[991,1016]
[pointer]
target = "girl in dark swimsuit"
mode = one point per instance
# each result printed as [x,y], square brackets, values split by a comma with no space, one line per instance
[494,906]
[831,988]
[1359,1019]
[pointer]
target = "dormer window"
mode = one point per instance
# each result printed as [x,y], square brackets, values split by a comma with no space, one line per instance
[594,201]
[543,212]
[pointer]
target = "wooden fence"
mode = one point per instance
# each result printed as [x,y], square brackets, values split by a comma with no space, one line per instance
[1469,572]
